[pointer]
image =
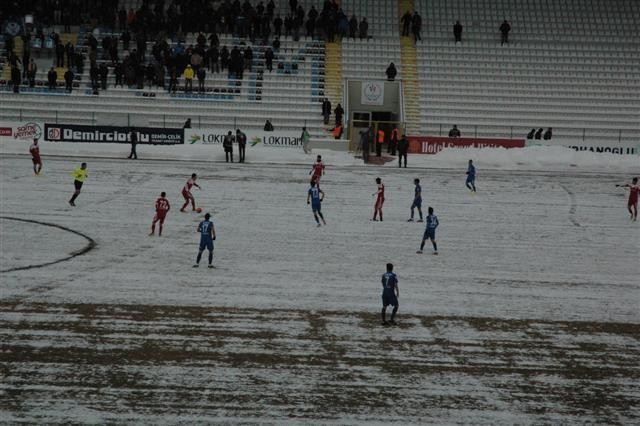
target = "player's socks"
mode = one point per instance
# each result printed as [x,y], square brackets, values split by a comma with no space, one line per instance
[210,257]
[422,245]
[384,314]
[435,246]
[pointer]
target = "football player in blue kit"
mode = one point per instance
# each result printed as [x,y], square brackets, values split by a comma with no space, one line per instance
[417,200]
[430,231]
[315,197]
[390,294]
[207,235]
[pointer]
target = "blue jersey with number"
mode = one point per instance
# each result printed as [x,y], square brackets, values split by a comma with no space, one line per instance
[418,194]
[315,194]
[389,281]
[432,222]
[205,228]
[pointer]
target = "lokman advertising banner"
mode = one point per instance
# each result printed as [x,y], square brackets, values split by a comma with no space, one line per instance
[275,139]
[24,130]
[111,134]
[372,93]
[435,144]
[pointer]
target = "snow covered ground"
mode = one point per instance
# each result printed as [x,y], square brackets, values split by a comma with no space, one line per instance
[530,314]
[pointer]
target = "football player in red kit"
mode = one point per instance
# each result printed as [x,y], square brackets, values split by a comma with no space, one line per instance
[162,208]
[379,201]
[34,149]
[632,204]
[318,170]
[186,193]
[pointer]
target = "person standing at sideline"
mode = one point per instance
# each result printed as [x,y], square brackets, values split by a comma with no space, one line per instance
[377,208]
[79,176]
[632,204]
[227,144]
[417,200]
[403,147]
[430,232]
[162,208]
[34,149]
[471,177]
[390,294]
[241,138]
[134,142]
[305,140]
[314,197]
[207,235]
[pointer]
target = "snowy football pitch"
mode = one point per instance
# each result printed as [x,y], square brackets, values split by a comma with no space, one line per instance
[529,313]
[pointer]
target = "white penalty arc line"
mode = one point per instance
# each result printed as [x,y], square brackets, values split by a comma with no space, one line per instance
[88,247]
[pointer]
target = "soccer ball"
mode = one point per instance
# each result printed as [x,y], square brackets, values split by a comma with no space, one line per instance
[199,210]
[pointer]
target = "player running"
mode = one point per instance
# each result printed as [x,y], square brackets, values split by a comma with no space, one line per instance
[390,294]
[34,149]
[318,170]
[471,177]
[186,193]
[417,200]
[162,208]
[207,235]
[315,196]
[79,176]
[377,208]
[632,204]
[430,232]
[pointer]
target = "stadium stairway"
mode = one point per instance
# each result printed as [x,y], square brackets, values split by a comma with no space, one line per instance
[18,46]
[333,71]
[411,85]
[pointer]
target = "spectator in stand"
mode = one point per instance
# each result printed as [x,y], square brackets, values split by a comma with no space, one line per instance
[118,71]
[326,110]
[547,134]
[538,134]
[268,127]
[364,28]
[391,72]
[248,58]
[276,44]
[122,19]
[416,26]
[406,23]
[288,25]
[70,51]
[188,79]
[187,124]
[131,16]
[32,69]
[277,25]
[104,72]
[531,134]
[93,42]
[126,39]
[59,55]
[393,142]
[68,79]
[268,57]
[173,80]
[353,27]
[504,30]
[241,138]
[212,57]
[201,76]
[339,112]
[403,148]
[16,79]
[224,58]
[52,76]
[457,32]
[454,132]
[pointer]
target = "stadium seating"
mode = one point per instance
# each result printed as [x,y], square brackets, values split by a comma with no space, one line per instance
[570,65]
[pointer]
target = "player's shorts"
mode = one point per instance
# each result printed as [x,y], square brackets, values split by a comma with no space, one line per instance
[632,202]
[389,298]
[160,216]
[429,233]
[417,203]
[379,203]
[206,243]
[77,184]
[187,195]
[471,178]
[36,161]
[315,206]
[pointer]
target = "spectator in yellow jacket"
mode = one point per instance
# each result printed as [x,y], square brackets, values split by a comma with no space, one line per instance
[188,78]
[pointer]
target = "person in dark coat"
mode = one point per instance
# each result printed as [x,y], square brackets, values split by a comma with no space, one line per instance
[539,133]
[339,112]
[326,110]
[531,134]
[416,26]
[268,127]
[547,134]
[353,27]
[68,79]
[241,138]
[364,28]
[268,58]
[134,141]
[52,76]
[457,31]
[403,148]
[406,23]
[104,72]
[391,72]
[60,55]
[16,79]
[454,132]
[504,31]
[227,144]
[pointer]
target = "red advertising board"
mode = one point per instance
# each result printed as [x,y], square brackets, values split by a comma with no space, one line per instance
[435,144]
[6,131]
